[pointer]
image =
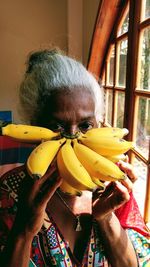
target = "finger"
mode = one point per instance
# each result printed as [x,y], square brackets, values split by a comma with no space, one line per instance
[121,194]
[111,187]
[48,189]
[106,205]
[49,181]
[50,174]
[119,197]
[33,183]
[127,183]
[26,187]
[126,159]
[108,190]
[128,169]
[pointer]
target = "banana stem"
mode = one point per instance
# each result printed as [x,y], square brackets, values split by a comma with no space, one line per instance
[71,136]
[2,124]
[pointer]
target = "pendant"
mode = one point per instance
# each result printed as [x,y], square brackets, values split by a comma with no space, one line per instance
[78,224]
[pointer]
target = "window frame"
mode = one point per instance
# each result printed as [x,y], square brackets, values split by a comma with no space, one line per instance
[132,92]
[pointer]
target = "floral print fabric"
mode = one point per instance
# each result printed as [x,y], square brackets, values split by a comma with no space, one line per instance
[49,247]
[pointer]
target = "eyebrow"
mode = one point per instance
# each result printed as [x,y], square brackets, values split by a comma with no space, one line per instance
[88,117]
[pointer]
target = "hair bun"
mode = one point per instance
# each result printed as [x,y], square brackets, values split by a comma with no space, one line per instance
[37,57]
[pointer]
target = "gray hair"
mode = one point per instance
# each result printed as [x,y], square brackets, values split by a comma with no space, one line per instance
[50,71]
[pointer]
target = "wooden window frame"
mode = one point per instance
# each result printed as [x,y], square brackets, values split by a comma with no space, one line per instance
[98,58]
[132,93]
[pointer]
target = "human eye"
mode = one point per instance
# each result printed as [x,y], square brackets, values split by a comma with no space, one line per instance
[56,126]
[85,126]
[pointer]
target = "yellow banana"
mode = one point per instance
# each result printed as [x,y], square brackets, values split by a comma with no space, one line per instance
[42,156]
[107,132]
[116,158]
[71,170]
[28,133]
[106,146]
[105,178]
[97,182]
[67,188]
[96,164]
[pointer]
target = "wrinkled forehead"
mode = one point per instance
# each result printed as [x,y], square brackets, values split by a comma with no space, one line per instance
[73,97]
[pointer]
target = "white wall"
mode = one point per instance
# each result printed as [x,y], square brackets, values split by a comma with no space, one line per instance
[90,9]
[75,28]
[27,25]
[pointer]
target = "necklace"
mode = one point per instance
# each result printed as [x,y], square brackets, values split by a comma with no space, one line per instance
[78,227]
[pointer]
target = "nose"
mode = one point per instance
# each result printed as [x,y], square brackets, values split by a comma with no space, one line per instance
[71,131]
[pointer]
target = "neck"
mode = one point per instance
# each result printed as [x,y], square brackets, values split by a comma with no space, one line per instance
[76,209]
[76,204]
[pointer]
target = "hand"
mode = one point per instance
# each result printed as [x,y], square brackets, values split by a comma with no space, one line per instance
[33,198]
[128,169]
[115,194]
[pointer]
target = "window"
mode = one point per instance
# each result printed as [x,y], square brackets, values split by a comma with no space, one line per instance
[126,77]
[116,67]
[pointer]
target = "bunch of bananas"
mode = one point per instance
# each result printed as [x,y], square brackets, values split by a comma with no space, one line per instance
[84,161]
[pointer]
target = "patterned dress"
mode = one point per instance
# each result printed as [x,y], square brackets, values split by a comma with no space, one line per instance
[49,247]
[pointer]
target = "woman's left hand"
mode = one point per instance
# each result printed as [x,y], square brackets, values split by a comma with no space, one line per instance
[127,168]
[115,194]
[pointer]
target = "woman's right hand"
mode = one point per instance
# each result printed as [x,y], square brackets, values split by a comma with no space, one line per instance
[33,198]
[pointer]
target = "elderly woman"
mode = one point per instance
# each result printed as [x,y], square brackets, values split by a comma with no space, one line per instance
[40,229]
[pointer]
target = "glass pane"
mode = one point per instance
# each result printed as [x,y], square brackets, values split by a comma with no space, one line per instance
[120,109]
[146,9]
[109,99]
[110,67]
[145,60]
[139,189]
[143,126]
[122,50]
[124,25]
